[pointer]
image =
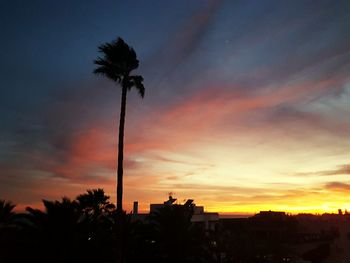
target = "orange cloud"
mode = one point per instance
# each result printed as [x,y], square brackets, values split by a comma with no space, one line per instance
[184,148]
[214,111]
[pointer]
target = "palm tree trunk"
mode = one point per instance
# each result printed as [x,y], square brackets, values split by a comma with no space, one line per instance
[121,151]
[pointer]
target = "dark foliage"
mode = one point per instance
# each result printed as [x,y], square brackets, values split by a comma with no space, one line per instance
[170,236]
[89,229]
[6,212]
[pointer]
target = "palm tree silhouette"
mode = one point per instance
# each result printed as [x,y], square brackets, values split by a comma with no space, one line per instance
[116,64]
[95,202]
[6,212]
[79,230]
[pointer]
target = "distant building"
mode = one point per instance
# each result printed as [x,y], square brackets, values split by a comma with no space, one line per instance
[209,220]
[270,215]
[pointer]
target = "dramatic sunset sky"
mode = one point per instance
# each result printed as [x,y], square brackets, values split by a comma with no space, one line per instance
[247,103]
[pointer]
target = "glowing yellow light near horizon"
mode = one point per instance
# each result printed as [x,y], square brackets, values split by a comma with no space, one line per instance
[249,173]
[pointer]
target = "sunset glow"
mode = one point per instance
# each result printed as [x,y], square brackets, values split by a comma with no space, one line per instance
[246,108]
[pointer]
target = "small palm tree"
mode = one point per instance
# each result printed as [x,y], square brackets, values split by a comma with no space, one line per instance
[116,64]
[6,211]
[95,204]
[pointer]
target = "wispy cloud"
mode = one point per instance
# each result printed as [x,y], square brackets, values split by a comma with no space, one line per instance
[338,186]
[341,170]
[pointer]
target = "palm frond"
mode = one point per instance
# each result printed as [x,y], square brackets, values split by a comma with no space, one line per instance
[118,58]
[6,210]
[117,62]
[136,81]
[109,73]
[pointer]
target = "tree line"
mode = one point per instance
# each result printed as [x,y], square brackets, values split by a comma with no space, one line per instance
[87,229]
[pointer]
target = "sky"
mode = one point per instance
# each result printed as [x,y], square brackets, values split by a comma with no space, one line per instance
[246,108]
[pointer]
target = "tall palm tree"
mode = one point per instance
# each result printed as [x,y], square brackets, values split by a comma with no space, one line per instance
[117,62]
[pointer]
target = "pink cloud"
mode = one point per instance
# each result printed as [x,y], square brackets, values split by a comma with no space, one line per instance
[89,156]
[215,110]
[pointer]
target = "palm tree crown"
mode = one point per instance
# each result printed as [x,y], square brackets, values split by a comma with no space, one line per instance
[116,64]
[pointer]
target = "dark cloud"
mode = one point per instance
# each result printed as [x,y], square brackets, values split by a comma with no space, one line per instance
[179,47]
